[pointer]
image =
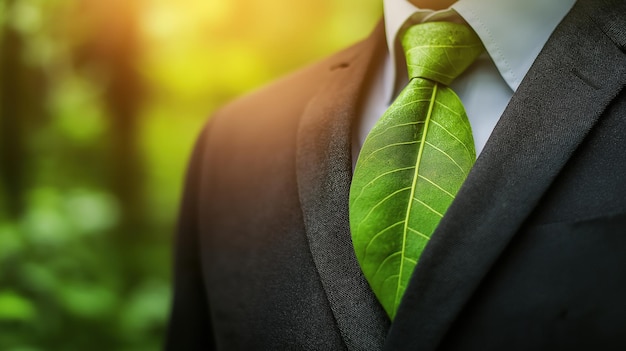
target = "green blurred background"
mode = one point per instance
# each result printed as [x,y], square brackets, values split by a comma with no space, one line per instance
[100,103]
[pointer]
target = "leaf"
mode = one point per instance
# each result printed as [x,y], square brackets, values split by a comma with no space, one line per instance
[409,170]
[440,51]
[16,307]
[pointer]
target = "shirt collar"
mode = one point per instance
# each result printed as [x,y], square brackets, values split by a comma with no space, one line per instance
[513,31]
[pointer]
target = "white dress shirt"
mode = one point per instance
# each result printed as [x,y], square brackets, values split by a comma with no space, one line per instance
[513,33]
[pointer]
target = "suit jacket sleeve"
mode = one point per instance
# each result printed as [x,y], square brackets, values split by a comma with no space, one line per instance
[190,325]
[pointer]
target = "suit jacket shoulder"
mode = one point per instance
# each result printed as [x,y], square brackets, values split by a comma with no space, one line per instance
[283,101]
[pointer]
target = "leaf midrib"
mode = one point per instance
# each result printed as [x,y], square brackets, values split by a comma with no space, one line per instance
[413,185]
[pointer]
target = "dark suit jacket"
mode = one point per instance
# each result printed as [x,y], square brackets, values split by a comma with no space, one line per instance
[530,256]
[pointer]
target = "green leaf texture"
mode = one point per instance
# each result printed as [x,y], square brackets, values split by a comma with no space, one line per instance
[411,166]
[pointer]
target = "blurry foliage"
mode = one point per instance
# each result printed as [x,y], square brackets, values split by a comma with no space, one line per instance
[100,103]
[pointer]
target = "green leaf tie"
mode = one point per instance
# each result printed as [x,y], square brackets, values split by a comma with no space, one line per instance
[414,160]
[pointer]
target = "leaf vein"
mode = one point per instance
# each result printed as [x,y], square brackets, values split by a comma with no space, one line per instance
[382,264]
[418,233]
[379,234]
[380,176]
[448,156]
[381,202]
[388,146]
[395,126]
[427,206]
[413,186]
[453,136]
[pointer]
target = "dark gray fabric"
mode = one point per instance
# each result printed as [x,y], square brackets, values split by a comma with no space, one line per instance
[530,256]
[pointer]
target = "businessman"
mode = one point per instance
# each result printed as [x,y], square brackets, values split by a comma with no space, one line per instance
[530,254]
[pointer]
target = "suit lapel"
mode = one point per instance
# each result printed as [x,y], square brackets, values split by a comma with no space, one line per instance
[324,171]
[580,70]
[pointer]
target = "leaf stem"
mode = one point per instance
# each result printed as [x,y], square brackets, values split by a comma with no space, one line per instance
[410,204]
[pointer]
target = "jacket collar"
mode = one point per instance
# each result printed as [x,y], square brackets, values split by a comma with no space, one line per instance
[324,172]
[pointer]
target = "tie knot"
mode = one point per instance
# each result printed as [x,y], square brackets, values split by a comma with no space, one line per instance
[440,51]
